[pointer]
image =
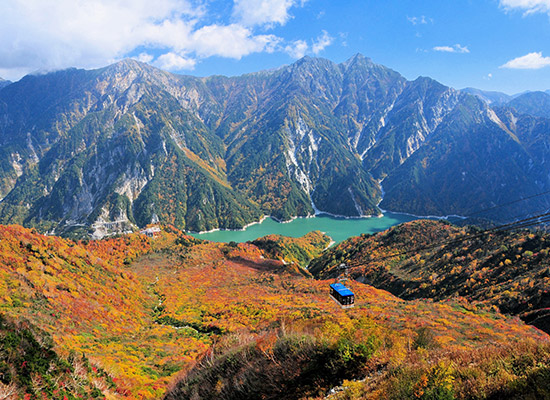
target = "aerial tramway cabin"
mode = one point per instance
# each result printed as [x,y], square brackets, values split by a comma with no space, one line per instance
[342,295]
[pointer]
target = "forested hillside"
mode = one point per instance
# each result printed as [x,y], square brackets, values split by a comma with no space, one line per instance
[434,259]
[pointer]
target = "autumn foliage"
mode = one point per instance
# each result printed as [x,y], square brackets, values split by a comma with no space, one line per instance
[153,312]
[507,270]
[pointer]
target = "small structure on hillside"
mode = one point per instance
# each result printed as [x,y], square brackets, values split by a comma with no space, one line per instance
[151,232]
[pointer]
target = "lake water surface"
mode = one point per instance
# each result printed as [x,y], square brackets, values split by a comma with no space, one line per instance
[337,228]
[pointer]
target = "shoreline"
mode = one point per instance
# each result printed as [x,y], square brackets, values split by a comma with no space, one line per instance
[446,217]
[319,213]
[262,219]
[350,216]
[336,216]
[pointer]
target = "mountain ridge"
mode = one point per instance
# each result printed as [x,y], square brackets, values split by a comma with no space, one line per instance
[105,151]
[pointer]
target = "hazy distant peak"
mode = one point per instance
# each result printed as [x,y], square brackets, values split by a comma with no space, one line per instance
[533,103]
[535,94]
[489,97]
[4,83]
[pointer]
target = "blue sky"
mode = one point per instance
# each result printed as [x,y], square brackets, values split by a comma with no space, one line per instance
[501,45]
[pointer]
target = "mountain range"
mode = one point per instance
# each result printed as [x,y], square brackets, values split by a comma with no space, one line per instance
[95,152]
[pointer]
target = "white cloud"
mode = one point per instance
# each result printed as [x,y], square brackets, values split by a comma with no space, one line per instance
[422,20]
[53,34]
[344,38]
[233,41]
[461,49]
[297,49]
[13,74]
[457,48]
[533,60]
[144,58]
[529,6]
[447,49]
[262,12]
[172,61]
[323,41]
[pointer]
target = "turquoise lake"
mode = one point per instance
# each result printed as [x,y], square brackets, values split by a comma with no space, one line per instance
[337,228]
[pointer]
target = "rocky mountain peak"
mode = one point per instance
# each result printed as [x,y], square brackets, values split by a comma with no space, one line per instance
[128,64]
[428,89]
[119,77]
[130,68]
[309,76]
[425,81]
[357,60]
[311,64]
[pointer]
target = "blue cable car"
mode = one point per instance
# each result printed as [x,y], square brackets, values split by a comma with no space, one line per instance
[342,295]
